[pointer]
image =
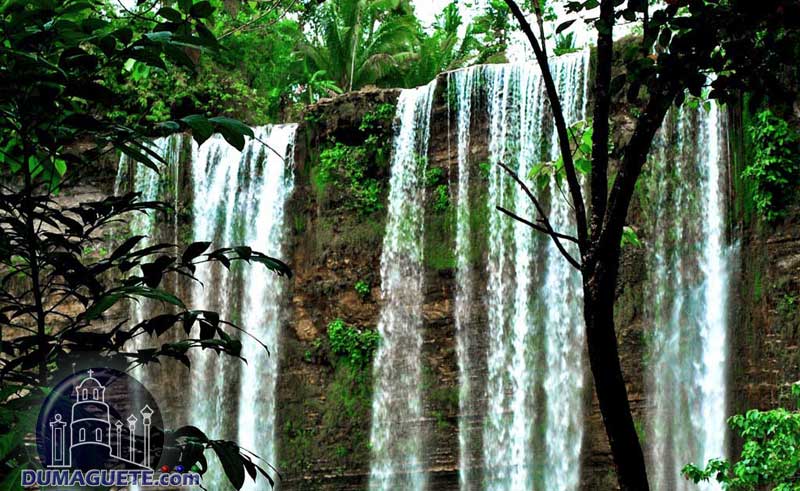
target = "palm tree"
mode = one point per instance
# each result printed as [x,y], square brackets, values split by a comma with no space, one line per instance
[361,42]
[443,49]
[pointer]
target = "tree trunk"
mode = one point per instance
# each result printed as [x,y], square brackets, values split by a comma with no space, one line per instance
[598,311]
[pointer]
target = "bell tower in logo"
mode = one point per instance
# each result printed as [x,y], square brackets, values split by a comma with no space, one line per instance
[95,435]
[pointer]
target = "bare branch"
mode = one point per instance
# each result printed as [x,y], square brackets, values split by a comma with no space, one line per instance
[548,229]
[561,126]
[258,18]
[537,8]
[536,226]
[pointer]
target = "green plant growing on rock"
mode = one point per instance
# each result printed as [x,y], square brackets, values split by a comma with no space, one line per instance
[354,345]
[769,457]
[346,167]
[775,168]
[362,288]
[441,198]
[433,176]
[485,169]
[629,237]
[380,117]
[353,169]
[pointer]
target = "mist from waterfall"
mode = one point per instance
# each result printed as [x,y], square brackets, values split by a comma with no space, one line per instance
[689,285]
[231,198]
[396,437]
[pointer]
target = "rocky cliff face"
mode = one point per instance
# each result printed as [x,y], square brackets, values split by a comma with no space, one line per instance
[323,410]
[324,403]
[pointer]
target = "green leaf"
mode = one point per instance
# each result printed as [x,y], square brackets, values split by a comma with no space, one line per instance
[201,10]
[272,264]
[60,166]
[228,454]
[10,441]
[124,34]
[232,130]
[137,156]
[232,124]
[564,25]
[156,294]
[194,250]
[170,14]
[201,128]
[105,303]
[583,165]
[629,237]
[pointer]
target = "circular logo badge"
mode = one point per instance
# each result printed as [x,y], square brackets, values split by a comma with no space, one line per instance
[100,418]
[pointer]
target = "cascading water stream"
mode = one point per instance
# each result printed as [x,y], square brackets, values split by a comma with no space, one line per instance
[152,186]
[264,212]
[535,344]
[463,83]
[240,198]
[689,283]
[396,437]
[563,302]
[155,227]
[236,198]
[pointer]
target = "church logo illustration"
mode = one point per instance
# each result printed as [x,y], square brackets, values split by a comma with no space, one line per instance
[89,434]
[101,427]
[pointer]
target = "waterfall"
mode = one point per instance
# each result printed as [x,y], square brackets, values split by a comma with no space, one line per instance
[396,438]
[463,81]
[689,285]
[516,108]
[152,186]
[264,210]
[533,428]
[234,198]
[214,185]
[563,302]
[155,227]
[240,198]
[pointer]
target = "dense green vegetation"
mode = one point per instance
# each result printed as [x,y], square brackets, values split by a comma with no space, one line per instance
[775,166]
[277,56]
[62,107]
[351,171]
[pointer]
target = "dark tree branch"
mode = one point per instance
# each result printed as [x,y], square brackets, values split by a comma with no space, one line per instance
[543,230]
[537,8]
[548,229]
[561,126]
[634,158]
[600,121]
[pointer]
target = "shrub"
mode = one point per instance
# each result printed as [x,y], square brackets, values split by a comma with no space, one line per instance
[433,176]
[353,168]
[382,115]
[769,457]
